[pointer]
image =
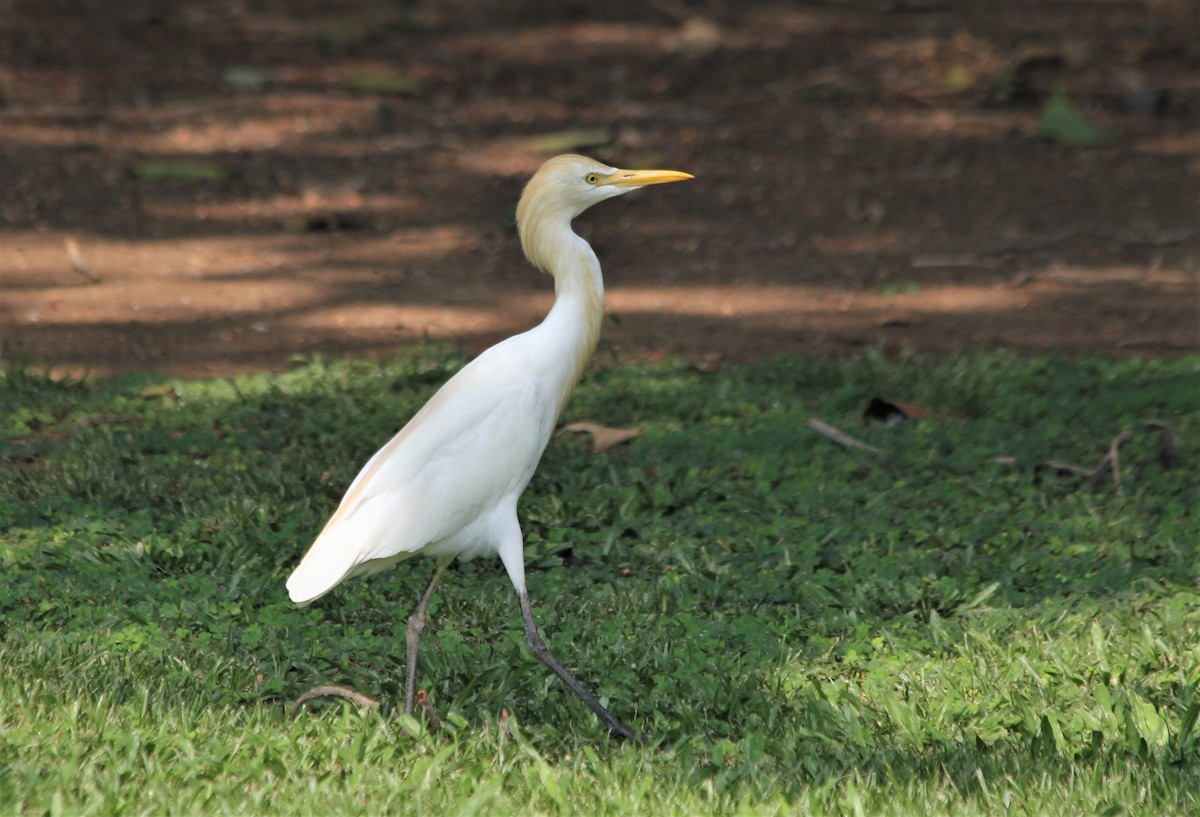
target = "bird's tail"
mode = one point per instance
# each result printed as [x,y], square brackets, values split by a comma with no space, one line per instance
[347,543]
[309,581]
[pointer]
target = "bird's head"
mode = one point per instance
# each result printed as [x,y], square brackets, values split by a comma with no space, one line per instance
[567,185]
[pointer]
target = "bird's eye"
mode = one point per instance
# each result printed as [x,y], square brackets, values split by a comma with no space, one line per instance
[591,178]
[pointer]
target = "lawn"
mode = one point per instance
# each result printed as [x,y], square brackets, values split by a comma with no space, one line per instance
[953,628]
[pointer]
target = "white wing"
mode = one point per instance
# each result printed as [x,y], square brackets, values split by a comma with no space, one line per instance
[474,445]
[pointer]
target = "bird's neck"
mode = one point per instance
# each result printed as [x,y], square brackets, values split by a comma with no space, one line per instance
[572,328]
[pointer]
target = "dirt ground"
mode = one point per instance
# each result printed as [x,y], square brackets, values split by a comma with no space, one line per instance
[208,186]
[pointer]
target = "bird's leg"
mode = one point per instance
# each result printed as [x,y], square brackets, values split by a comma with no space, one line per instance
[416,623]
[538,648]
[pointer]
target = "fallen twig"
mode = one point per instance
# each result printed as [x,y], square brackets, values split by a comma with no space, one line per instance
[326,691]
[840,437]
[1110,461]
[1168,453]
[1069,469]
[1114,461]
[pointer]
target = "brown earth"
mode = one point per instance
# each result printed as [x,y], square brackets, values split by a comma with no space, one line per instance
[868,173]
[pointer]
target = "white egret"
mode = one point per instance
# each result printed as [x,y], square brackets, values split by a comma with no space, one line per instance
[447,484]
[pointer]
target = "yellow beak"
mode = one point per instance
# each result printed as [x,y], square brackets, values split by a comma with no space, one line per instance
[641,178]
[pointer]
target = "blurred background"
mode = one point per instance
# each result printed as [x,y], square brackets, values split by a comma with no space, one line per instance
[209,186]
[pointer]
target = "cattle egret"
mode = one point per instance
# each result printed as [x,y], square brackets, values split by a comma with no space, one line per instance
[447,484]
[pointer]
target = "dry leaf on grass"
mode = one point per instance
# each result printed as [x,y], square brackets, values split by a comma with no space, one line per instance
[892,411]
[604,437]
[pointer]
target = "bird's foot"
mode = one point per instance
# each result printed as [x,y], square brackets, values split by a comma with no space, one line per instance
[622,732]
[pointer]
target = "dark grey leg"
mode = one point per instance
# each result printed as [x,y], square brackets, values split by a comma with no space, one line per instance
[538,648]
[416,623]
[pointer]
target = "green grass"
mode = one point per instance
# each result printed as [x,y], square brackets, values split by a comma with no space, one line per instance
[802,628]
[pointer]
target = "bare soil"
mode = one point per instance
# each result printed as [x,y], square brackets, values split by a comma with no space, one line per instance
[869,172]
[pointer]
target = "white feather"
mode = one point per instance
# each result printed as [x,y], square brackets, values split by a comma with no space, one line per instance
[471,449]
